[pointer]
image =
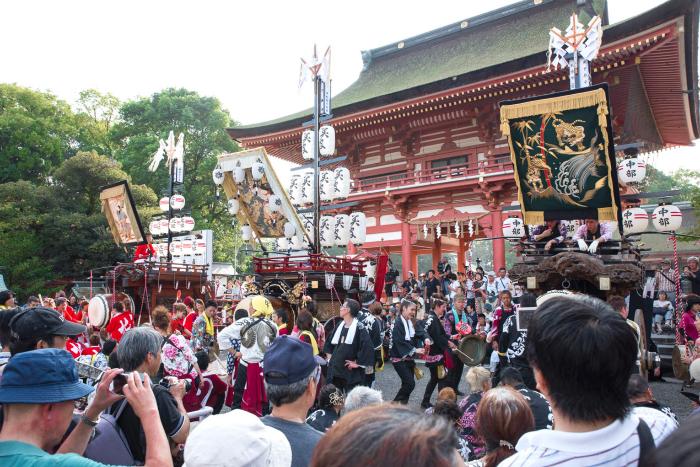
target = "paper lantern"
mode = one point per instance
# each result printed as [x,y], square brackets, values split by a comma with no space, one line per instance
[341,230]
[177,202]
[246,232]
[187,247]
[258,170]
[307,189]
[571,227]
[327,224]
[176,248]
[289,230]
[274,203]
[631,171]
[187,224]
[238,174]
[347,281]
[341,183]
[326,183]
[233,205]
[308,222]
[200,248]
[667,218]
[513,227]
[326,140]
[282,244]
[175,225]
[358,228]
[634,221]
[164,227]
[295,189]
[218,175]
[370,269]
[307,145]
[298,242]
[154,228]
[164,204]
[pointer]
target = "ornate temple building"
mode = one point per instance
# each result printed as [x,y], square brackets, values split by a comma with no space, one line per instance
[420,125]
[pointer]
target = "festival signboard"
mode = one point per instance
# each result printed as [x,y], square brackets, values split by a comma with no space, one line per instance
[262,201]
[562,150]
[120,211]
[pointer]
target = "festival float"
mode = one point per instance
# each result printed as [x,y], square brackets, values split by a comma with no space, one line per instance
[176,263]
[303,220]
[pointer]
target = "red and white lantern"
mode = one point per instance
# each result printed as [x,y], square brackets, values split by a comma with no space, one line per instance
[513,227]
[634,221]
[164,204]
[177,202]
[667,218]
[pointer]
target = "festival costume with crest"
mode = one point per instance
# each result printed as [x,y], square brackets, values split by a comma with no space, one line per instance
[402,348]
[349,343]
[255,333]
[436,354]
[119,325]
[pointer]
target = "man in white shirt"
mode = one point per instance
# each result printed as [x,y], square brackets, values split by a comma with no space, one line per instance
[581,352]
[503,282]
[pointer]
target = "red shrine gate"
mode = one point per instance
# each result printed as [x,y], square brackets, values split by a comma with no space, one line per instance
[420,126]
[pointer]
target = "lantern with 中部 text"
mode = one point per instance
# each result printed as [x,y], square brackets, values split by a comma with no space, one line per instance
[634,221]
[631,170]
[667,218]
[513,227]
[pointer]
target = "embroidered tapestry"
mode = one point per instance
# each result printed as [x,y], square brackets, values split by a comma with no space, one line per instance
[562,150]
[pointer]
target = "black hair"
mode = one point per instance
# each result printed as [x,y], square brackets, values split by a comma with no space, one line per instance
[501,269]
[25,345]
[282,314]
[5,332]
[637,386]
[202,360]
[113,360]
[324,396]
[528,300]
[240,313]
[119,306]
[354,307]
[311,307]
[481,315]
[564,337]
[211,303]
[448,409]
[511,376]
[108,347]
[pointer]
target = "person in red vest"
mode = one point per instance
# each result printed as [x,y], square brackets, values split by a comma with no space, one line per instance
[177,323]
[145,251]
[94,347]
[67,311]
[121,321]
[190,318]
[74,348]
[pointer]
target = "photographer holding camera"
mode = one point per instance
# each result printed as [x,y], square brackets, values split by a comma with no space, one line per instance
[140,352]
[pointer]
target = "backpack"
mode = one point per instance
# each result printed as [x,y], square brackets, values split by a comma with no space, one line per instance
[109,445]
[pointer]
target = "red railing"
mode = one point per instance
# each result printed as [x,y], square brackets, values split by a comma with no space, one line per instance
[318,263]
[495,165]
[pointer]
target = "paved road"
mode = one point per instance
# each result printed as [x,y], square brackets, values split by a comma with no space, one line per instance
[667,393]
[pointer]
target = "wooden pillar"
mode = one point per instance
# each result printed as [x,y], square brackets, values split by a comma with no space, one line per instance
[499,245]
[437,246]
[414,263]
[461,255]
[405,249]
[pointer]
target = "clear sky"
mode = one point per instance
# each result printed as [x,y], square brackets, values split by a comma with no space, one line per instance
[246,53]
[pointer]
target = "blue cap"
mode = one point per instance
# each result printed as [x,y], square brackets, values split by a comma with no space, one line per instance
[43,376]
[288,360]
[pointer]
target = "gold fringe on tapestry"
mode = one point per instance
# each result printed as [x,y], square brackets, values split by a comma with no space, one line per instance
[505,126]
[553,105]
[533,217]
[607,214]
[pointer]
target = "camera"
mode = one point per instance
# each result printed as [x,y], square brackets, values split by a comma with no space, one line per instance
[168,381]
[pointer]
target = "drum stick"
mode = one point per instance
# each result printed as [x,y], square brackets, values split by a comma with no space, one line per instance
[470,359]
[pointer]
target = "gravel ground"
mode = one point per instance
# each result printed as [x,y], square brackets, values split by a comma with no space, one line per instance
[667,393]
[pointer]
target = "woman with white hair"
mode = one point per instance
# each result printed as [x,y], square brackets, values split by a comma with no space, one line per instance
[479,380]
[362,396]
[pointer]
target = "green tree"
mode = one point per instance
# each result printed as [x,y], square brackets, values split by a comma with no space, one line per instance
[203,121]
[37,132]
[58,230]
[96,113]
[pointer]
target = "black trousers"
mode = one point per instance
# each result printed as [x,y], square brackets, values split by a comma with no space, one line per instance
[404,369]
[239,385]
[455,374]
[343,385]
[434,381]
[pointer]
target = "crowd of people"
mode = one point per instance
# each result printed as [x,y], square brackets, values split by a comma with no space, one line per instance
[566,389]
